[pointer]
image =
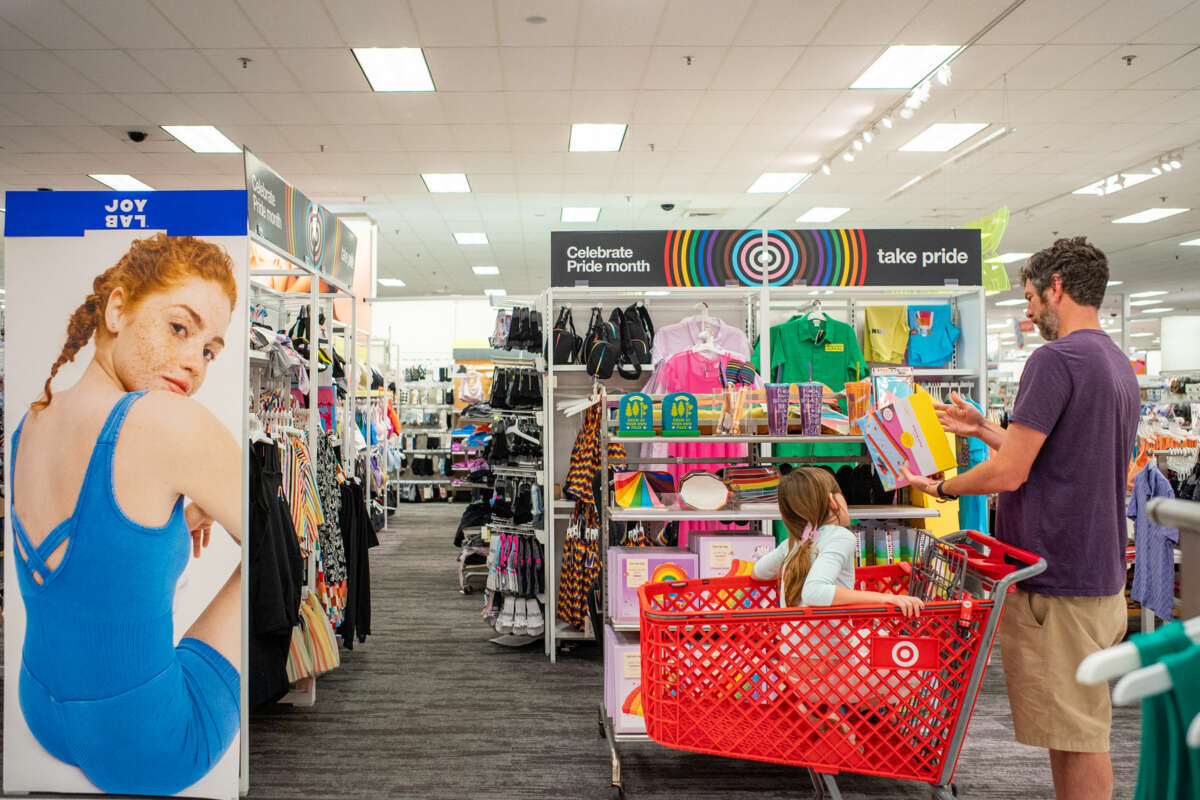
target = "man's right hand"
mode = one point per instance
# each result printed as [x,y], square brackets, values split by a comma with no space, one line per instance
[960,417]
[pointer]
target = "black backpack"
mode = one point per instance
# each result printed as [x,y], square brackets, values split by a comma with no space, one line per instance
[601,346]
[517,327]
[565,342]
[637,338]
[533,339]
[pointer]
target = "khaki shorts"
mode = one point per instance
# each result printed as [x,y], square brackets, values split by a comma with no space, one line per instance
[1042,641]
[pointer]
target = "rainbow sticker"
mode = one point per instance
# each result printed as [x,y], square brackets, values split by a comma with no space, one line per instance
[633,702]
[818,257]
[739,568]
[667,571]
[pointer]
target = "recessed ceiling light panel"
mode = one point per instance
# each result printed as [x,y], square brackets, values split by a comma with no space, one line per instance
[451,182]
[392,283]
[587,137]
[580,214]
[903,66]
[821,214]
[395,69]
[202,138]
[777,182]
[1149,215]
[471,238]
[122,183]
[942,136]
[490,270]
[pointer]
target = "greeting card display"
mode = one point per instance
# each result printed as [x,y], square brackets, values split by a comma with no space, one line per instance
[680,415]
[635,415]
[906,434]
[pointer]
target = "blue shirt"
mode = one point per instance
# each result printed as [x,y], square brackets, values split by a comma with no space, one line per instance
[931,335]
[973,508]
[1154,564]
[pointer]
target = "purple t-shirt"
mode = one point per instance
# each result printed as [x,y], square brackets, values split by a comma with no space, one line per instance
[1081,392]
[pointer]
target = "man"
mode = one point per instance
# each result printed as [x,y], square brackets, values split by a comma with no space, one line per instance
[1060,472]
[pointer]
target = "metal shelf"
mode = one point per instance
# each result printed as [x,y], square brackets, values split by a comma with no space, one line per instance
[439,406]
[425,452]
[625,626]
[760,512]
[746,439]
[564,632]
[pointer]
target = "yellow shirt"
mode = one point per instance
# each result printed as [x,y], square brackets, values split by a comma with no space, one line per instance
[885,334]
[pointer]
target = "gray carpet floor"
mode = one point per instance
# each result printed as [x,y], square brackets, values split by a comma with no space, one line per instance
[429,708]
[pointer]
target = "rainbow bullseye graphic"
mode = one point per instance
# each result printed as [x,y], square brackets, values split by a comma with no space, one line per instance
[713,258]
[667,571]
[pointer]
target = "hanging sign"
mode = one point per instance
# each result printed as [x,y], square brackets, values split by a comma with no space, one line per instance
[840,257]
[281,215]
[680,415]
[635,415]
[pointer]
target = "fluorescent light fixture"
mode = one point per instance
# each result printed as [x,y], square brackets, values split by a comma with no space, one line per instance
[1149,215]
[394,283]
[1011,303]
[904,66]
[1145,302]
[996,325]
[589,137]
[446,182]
[471,238]
[1192,243]
[1157,310]
[1153,293]
[580,214]
[202,138]
[942,136]
[122,183]
[655,293]
[1115,183]
[495,292]
[777,182]
[821,214]
[1008,258]
[1143,333]
[1115,283]
[394,69]
[486,270]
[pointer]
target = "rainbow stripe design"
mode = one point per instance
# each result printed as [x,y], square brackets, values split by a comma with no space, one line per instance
[668,572]
[818,257]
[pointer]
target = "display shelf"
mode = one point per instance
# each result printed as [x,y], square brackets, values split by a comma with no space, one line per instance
[760,512]
[424,384]
[422,480]
[425,406]
[564,632]
[625,626]
[258,356]
[740,439]
[427,452]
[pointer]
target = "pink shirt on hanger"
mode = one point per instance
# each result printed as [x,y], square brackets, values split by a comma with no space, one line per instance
[680,336]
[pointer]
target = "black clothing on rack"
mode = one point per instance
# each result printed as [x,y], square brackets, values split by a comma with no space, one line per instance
[276,575]
[358,537]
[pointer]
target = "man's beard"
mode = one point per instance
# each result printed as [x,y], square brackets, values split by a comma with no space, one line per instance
[1047,323]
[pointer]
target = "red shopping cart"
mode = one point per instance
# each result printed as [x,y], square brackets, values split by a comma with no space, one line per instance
[725,671]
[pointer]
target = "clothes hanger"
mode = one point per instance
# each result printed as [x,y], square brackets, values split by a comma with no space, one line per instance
[1137,682]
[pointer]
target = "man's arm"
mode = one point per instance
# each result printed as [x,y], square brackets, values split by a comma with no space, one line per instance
[1007,472]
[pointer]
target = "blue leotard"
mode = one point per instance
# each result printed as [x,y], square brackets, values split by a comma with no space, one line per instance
[103,685]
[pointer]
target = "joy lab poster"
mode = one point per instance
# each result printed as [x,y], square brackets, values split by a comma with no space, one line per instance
[122,646]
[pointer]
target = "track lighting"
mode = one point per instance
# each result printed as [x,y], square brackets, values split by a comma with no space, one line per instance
[826,168]
[848,156]
[887,122]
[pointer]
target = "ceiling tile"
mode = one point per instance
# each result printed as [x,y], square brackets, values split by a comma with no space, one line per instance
[1116,22]
[1054,64]
[531,69]
[364,108]
[1039,23]
[374,23]
[259,138]
[162,109]
[130,24]
[1178,29]
[213,23]
[711,139]
[784,22]
[11,84]
[729,108]
[562,17]
[465,69]
[294,23]
[13,39]
[264,73]
[830,67]
[112,70]
[982,65]
[40,109]
[286,108]
[44,72]
[101,109]
[664,138]
[1111,71]
[601,106]
[325,70]
[863,22]
[370,138]
[455,23]
[540,138]
[34,139]
[52,24]
[1181,74]
[539,184]
[225,108]
[95,139]
[754,68]
[540,107]
[701,22]
[760,138]
[668,67]
[182,70]
[610,68]
[482,137]
[474,107]
[950,21]
[793,108]
[530,162]
[620,22]
[426,137]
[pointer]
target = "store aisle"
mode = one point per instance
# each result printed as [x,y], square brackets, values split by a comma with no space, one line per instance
[428,708]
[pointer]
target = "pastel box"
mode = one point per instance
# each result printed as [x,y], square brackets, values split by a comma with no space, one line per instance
[722,555]
[630,567]
[623,681]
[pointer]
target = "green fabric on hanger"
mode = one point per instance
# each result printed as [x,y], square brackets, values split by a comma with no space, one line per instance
[1157,764]
[1183,704]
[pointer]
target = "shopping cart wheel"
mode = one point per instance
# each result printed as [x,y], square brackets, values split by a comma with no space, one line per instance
[616,793]
[945,792]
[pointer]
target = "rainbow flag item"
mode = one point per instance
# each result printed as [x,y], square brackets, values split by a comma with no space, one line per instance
[642,489]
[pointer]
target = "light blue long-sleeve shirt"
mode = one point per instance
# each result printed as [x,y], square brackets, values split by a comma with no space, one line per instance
[832,566]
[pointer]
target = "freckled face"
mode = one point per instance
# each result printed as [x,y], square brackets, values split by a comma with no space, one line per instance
[168,340]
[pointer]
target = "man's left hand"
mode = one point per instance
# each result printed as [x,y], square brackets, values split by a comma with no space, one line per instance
[928,485]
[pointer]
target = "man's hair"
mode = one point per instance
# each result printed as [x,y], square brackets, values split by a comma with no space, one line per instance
[1082,267]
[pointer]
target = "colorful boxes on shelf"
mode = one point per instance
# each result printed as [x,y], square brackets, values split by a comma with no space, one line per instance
[623,681]
[630,567]
[723,554]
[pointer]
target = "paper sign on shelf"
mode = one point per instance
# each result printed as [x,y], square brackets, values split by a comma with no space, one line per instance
[906,434]
[631,664]
[637,572]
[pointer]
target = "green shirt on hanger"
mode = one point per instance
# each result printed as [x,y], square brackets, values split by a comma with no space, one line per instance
[832,350]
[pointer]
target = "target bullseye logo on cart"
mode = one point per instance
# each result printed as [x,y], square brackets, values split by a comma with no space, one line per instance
[904,653]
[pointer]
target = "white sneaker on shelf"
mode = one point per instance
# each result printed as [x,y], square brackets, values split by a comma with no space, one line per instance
[534,622]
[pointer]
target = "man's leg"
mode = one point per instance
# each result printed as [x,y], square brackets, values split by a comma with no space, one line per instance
[1081,776]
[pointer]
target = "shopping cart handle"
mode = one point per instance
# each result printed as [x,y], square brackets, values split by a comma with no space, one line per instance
[995,545]
[1034,564]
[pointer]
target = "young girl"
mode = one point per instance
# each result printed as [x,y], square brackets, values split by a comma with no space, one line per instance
[815,566]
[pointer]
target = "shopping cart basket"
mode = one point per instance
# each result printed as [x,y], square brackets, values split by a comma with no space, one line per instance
[725,671]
